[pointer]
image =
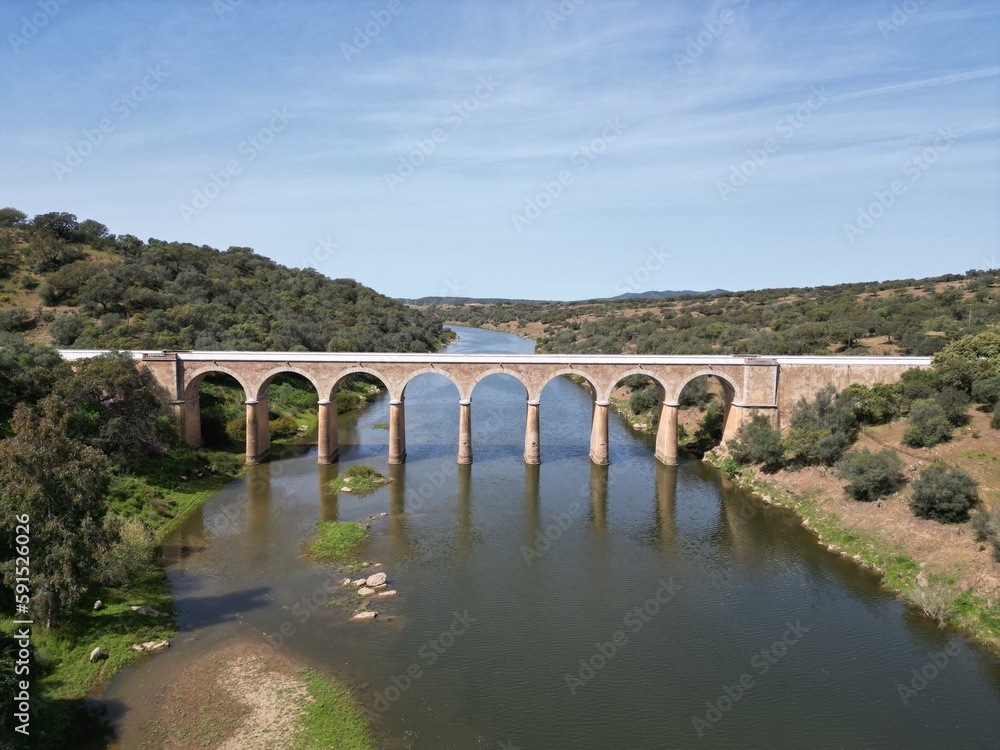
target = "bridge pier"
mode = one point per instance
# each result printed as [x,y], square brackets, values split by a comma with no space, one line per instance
[666,433]
[532,451]
[258,432]
[397,432]
[465,431]
[188,414]
[599,434]
[327,439]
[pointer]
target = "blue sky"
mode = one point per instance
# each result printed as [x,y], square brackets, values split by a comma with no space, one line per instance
[558,150]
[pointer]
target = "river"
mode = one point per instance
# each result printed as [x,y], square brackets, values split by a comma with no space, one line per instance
[565,605]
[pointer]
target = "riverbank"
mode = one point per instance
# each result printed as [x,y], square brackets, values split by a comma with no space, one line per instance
[940,569]
[245,697]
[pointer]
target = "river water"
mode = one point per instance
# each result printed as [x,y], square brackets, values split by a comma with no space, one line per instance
[634,606]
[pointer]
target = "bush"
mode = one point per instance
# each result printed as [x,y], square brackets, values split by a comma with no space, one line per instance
[917,384]
[929,424]
[236,429]
[283,426]
[986,525]
[66,329]
[822,430]
[346,401]
[955,404]
[695,393]
[876,404]
[644,400]
[129,558]
[757,442]
[987,391]
[995,418]
[14,319]
[871,475]
[944,495]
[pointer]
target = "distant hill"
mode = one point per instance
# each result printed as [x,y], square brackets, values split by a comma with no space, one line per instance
[667,293]
[425,301]
[74,284]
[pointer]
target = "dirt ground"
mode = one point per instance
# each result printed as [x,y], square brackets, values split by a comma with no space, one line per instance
[947,549]
[241,698]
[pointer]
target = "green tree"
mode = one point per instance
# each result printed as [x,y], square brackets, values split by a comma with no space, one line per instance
[927,425]
[59,484]
[943,494]
[870,475]
[987,391]
[27,373]
[757,442]
[11,217]
[116,407]
[969,359]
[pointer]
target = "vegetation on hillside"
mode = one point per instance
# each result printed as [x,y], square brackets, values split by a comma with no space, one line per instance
[76,285]
[909,316]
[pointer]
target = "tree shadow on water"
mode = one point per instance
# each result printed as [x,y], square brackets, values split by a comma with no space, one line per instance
[203,611]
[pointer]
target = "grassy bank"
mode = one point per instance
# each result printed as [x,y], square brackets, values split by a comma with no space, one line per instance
[940,591]
[336,541]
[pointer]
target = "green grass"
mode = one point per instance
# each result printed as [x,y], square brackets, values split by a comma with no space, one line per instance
[359,479]
[380,426]
[336,540]
[65,676]
[332,719]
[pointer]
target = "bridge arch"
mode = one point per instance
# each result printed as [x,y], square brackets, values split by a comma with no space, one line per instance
[620,376]
[194,380]
[389,384]
[732,389]
[268,377]
[428,371]
[594,387]
[471,385]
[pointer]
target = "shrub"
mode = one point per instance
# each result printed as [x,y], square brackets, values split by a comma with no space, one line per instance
[14,319]
[757,442]
[955,404]
[695,393]
[283,426]
[346,401]
[917,384]
[995,418]
[236,429]
[986,525]
[944,495]
[823,429]
[66,329]
[876,404]
[129,558]
[928,424]
[871,475]
[987,391]
[643,401]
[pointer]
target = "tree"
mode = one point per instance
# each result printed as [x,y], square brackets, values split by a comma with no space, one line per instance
[59,484]
[11,217]
[822,430]
[116,407]
[870,475]
[62,224]
[757,442]
[955,404]
[987,391]
[928,424]
[917,384]
[969,359]
[875,404]
[943,494]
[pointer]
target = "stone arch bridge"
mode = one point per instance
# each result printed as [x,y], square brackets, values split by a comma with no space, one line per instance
[770,385]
